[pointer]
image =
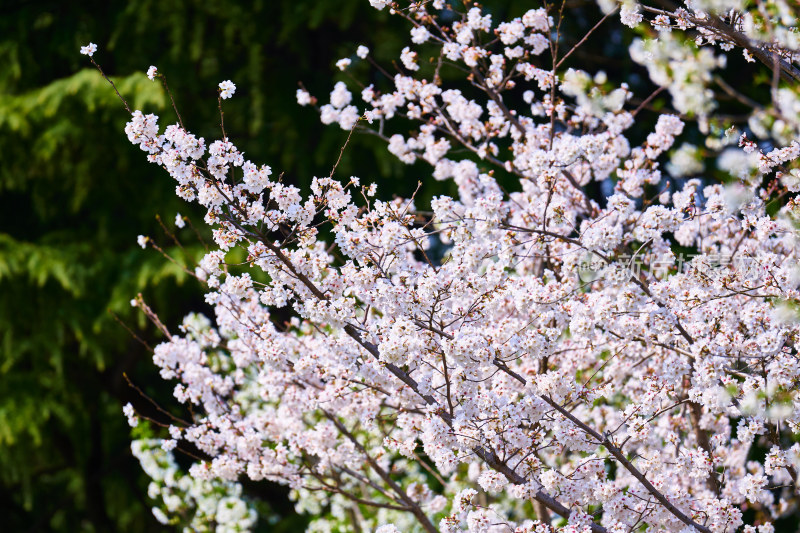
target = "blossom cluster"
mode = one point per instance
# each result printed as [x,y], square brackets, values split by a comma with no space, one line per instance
[446,367]
[184,501]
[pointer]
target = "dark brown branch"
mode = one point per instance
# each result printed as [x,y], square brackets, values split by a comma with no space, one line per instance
[414,507]
[620,457]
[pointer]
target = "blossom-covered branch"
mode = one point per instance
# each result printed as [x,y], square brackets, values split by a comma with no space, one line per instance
[603,322]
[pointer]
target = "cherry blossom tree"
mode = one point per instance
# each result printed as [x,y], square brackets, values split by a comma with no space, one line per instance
[540,357]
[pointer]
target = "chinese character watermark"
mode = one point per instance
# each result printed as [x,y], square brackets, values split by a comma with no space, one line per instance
[592,267]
